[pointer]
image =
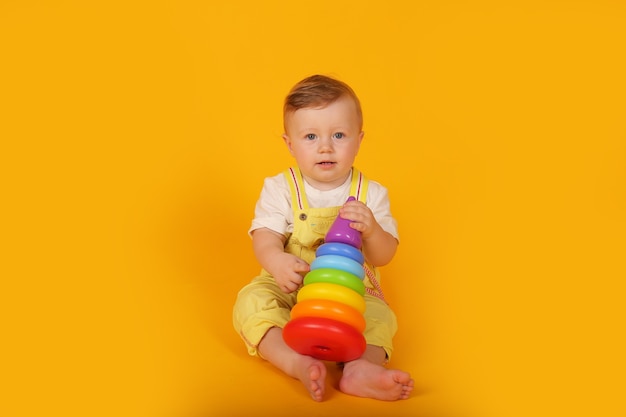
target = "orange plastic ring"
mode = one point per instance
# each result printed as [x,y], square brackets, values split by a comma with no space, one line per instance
[330,310]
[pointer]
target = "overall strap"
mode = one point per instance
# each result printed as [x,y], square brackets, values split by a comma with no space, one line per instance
[358,188]
[298,196]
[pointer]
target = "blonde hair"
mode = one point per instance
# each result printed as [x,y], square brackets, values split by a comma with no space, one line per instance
[319,91]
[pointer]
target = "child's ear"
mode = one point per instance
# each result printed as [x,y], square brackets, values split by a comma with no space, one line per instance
[287,142]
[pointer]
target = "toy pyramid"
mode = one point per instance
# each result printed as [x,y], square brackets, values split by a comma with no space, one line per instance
[327,321]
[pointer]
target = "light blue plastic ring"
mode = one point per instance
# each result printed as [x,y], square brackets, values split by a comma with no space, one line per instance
[338,262]
[341,249]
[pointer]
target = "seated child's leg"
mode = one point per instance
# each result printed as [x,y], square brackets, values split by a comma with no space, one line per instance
[381,324]
[260,313]
[260,306]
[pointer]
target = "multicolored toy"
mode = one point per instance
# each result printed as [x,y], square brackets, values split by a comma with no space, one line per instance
[327,321]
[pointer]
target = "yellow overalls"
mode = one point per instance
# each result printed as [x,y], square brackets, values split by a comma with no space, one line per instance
[261,304]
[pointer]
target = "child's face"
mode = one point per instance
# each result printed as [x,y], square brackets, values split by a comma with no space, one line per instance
[324,141]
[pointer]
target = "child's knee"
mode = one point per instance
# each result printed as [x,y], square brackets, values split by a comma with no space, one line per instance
[258,307]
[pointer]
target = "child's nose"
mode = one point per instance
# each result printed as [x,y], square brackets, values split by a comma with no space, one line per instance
[326,144]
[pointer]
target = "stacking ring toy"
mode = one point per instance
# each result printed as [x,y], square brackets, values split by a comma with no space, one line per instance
[341,249]
[324,339]
[339,262]
[335,276]
[334,292]
[327,320]
[330,310]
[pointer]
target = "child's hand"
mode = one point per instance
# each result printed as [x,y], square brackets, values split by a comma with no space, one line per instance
[361,217]
[289,271]
[379,246]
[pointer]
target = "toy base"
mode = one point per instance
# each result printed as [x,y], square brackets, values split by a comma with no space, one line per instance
[324,339]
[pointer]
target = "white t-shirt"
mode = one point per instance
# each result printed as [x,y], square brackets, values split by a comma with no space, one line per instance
[273,209]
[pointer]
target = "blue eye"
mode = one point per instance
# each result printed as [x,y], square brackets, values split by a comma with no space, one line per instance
[310,136]
[338,135]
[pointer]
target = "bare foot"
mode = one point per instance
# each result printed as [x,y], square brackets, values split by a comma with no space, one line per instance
[310,371]
[365,379]
[312,374]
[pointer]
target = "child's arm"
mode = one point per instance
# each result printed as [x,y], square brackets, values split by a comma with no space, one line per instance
[379,246]
[287,269]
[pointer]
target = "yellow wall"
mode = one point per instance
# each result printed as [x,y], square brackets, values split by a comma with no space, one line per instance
[135,137]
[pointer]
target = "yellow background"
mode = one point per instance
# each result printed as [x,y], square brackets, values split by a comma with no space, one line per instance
[135,136]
